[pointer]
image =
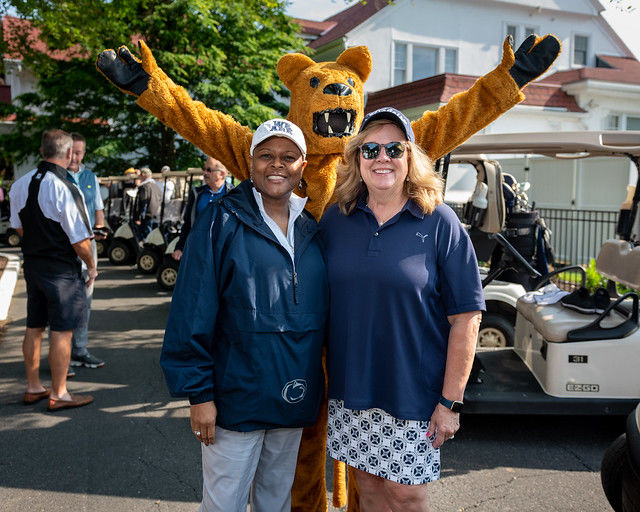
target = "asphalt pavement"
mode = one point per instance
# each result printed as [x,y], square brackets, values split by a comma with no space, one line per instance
[132,450]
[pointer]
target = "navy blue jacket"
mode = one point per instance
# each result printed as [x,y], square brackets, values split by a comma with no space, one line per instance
[245,328]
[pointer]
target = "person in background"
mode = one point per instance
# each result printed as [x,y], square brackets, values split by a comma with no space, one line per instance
[406,304]
[214,187]
[49,213]
[88,184]
[246,328]
[146,205]
[168,187]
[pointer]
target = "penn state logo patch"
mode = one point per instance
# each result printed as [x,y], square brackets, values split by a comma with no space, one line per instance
[294,391]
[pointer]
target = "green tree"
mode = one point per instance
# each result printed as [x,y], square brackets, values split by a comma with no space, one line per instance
[224,52]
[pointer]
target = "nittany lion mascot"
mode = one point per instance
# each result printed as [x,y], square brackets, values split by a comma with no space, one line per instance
[327,102]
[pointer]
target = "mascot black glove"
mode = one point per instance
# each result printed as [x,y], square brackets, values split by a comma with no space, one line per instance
[533,58]
[123,70]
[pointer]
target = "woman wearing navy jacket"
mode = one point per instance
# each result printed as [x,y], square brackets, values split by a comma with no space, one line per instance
[244,336]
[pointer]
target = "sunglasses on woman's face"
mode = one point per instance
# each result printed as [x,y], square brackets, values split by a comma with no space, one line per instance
[371,150]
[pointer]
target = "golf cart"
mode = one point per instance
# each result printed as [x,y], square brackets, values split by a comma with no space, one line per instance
[563,361]
[124,246]
[10,235]
[155,244]
[493,222]
[167,273]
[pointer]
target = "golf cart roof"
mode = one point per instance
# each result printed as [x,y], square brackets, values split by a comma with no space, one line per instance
[565,145]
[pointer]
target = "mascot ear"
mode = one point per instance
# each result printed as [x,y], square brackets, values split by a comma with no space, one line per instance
[357,58]
[291,65]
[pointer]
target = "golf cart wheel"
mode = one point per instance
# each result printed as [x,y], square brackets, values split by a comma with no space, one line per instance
[119,253]
[167,276]
[630,490]
[14,239]
[148,262]
[495,331]
[100,248]
[611,471]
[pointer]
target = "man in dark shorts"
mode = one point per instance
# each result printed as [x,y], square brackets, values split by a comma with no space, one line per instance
[49,213]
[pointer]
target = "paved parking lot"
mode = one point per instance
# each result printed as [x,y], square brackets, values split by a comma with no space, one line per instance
[132,450]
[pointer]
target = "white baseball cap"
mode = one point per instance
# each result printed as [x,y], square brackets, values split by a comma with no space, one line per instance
[279,128]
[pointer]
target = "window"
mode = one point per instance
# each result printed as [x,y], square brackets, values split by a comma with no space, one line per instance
[518,32]
[622,122]
[414,62]
[612,122]
[450,60]
[580,47]
[425,62]
[633,123]
[400,64]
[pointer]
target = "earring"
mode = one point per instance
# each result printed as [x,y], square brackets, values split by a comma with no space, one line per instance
[300,185]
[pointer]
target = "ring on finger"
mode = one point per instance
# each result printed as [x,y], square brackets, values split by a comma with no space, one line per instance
[197,432]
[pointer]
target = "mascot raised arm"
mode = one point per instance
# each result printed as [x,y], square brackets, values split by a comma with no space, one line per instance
[327,103]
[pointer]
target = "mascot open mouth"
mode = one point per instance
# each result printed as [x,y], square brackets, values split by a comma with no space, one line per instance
[336,122]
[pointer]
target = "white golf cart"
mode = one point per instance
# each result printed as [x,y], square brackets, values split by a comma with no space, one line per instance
[563,361]
[155,243]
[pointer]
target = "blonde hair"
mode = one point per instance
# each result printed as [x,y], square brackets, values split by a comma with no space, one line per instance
[423,185]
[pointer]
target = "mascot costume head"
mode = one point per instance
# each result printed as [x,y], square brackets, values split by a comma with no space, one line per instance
[327,103]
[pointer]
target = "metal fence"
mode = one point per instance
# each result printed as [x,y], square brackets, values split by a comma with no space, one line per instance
[578,234]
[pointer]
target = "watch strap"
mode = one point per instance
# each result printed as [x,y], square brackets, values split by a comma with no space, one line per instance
[453,405]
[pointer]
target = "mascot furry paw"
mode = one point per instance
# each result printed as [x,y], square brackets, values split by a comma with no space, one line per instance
[327,102]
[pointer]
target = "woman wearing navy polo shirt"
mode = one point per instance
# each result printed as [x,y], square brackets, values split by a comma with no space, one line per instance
[406,303]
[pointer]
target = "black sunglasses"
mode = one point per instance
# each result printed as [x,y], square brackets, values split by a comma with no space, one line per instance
[371,150]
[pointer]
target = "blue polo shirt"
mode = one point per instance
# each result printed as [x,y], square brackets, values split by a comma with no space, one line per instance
[392,288]
[207,197]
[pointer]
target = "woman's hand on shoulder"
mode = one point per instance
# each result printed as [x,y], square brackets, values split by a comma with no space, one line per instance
[445,423]
[203,422]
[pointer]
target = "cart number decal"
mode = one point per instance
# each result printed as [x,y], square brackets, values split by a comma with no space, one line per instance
[578,359]
[586,388]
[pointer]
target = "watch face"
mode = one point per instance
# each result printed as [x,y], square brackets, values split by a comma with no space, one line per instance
[456,406]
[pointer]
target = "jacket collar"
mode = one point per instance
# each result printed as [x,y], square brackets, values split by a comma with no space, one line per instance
[60,172]
[241,202]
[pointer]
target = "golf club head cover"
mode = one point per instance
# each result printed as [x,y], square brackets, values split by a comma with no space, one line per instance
[534,56]
[125,71]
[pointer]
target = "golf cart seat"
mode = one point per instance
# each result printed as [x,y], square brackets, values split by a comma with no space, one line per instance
[567,350]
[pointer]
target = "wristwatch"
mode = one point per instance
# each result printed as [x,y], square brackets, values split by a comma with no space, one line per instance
[454,405]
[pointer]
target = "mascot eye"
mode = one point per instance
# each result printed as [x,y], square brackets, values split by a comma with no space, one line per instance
[351,82]
[314,82]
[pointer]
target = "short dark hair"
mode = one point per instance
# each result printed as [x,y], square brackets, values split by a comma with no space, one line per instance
[55,143]
[78,137]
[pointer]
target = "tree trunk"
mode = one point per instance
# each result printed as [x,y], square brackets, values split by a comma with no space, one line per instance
[167,147]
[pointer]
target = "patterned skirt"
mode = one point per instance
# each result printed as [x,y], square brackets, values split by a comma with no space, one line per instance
[374,441]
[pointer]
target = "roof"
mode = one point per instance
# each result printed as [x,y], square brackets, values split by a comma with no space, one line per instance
[314,28]
[623,70]
[556,144]
[349,19]
[13,28]
[440,88]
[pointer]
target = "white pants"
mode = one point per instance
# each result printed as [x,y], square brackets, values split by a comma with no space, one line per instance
[236,459]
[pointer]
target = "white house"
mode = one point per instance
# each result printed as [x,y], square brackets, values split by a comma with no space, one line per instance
[425,51]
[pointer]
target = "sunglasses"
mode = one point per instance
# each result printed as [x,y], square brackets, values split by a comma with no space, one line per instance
[371,150]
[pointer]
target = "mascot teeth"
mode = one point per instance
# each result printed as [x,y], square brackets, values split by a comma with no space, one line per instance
[334,122]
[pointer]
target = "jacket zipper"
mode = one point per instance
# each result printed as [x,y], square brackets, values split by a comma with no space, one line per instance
[278,244]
